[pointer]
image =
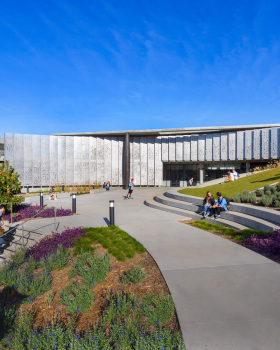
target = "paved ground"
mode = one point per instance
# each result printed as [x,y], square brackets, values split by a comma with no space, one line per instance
[226,296]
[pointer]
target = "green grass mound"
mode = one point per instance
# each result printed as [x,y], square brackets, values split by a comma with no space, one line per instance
[229,189]
[118,242]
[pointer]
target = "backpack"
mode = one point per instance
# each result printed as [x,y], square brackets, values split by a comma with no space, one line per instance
[228,202]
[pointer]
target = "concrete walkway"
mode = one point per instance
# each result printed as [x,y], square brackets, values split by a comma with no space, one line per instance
[226,296]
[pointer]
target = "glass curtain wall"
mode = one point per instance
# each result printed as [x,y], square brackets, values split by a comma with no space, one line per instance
[179,174]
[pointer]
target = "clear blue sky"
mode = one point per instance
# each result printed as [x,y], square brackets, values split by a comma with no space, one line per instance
[68,66]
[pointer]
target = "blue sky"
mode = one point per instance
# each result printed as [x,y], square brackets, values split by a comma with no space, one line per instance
[73,66]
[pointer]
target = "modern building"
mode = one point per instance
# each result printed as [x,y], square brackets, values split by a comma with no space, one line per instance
[161,157]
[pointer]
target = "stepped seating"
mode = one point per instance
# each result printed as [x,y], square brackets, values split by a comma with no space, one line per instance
[239,216]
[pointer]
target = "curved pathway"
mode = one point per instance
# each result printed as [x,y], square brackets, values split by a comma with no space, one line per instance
[227,297]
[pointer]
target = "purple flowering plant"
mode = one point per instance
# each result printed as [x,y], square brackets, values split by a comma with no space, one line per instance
[269,243]
[26,212]
[49,244]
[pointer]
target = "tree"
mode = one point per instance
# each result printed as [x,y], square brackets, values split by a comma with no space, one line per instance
[9,184]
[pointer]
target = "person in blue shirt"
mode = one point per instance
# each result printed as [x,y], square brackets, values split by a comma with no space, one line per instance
[220,206]
[130,189]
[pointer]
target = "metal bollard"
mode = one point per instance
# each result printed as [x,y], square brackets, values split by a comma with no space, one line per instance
[63,188]
[41,199]
[93,186]
[112,212]
[74,203]
[27,189]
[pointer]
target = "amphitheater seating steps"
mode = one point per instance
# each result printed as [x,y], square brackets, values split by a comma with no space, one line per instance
[239,216]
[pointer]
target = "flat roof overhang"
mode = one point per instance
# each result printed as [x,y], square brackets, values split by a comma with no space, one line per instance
[171,132]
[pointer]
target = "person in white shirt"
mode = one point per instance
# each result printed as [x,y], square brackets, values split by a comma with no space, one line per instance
[235,174]
[229,177]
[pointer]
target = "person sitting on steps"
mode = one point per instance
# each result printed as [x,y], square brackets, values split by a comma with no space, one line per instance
[220,206]
[208,201]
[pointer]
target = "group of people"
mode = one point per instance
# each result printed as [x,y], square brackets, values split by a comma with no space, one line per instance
[232,176]
[107,185]
[211,207]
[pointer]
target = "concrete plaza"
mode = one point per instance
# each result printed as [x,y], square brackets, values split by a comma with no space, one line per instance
[226,296]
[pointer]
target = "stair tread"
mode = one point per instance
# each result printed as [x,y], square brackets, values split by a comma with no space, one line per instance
[196,216]
[246,216]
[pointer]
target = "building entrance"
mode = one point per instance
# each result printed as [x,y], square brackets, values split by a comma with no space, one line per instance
[179,174]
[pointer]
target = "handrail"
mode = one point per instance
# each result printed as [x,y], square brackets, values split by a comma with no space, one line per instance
[23,223]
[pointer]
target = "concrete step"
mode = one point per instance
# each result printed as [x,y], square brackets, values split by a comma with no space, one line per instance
[269,215]
[150,202]
[240,218]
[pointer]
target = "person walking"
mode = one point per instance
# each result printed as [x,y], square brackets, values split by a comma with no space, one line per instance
[130,188]
[220,206]
[208,201]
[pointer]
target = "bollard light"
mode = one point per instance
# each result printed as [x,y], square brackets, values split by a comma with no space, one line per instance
[63,188]
[74,203]
[27,190]
[41,199]
[112,212]
[93,186]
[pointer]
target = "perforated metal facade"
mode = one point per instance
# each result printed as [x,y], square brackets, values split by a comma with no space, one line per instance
[53,160]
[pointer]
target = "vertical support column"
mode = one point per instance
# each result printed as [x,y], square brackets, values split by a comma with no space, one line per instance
[126,160]
[247,167]
[201,174]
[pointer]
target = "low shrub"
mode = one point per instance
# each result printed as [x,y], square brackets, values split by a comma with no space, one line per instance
[77,297]
[237,198]
[92,268]
[265,201]
[278,187]
[269,243]
[23,281]
[245,196]
[121,335]
[252,198]
[267,193]
[134,275]
[231,199]
[277,204]
[260,192]
[27,212]
[273,190]
[49,244]
[158,309]
[57,260]
[267,187]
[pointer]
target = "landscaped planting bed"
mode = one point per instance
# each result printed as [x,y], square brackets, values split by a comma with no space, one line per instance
[76,294]
[27,212]
[268,197]
[265,243]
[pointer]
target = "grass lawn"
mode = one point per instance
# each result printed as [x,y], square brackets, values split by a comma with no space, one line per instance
[228,189]
[236,235]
